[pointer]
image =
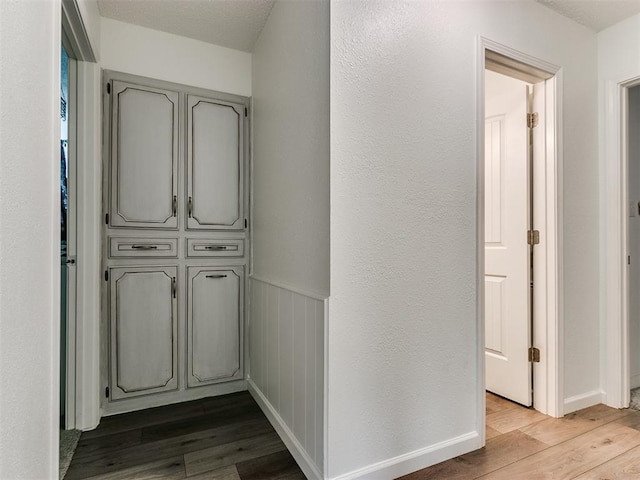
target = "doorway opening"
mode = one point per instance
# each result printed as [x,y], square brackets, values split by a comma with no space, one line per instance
[519,192]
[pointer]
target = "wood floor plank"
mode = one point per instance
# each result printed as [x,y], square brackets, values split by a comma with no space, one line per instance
[276,466]
[214,419]
[226,473]
[632,419]
[498,452]
[230,453]
[166,469]
[624,467]
[573,457]
[553,431]
[510,419]
[121,459]
[107,443]
[490,433]
[494,403]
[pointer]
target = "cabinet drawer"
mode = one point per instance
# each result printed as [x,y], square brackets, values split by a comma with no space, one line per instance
[215,248]
[143,247]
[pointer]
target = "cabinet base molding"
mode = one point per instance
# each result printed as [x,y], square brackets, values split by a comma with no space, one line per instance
[158,400]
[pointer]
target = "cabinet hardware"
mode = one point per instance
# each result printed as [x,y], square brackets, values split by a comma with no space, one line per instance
[174,205]
[533,237]
[245,111]
[108,88]
[106,392]
[216,276]
[245,223]
[106,275]
[534,355]
[190,207]
[144,247]
[71,261]
[106,218]
[215,247]
[173,287]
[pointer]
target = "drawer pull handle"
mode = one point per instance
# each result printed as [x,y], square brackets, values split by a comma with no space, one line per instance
[144,247]
[174,289]
[215,247]
[174,205]
[216,276]
[190,207]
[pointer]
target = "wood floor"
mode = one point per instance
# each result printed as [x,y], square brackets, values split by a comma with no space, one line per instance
[229,438]
[221,438]
[596,443]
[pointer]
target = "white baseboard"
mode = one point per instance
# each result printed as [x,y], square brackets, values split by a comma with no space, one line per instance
[584,400]
[416,460]
[635,381]
[307,465]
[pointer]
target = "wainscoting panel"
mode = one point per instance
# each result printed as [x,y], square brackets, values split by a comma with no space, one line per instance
[286,367]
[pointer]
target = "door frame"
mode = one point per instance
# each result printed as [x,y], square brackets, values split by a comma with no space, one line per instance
[614,160]
[547,321]
[82,354]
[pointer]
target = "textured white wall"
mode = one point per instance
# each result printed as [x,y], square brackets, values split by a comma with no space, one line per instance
[164,56]
[29,238]
[291,147]
[402,326]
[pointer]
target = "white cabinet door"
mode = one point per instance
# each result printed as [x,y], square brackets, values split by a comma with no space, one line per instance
[214,324]
[215,132]
[143,329]
[144,157]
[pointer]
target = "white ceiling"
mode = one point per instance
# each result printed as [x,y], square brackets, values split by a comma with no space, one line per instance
[228,23]
[595,14]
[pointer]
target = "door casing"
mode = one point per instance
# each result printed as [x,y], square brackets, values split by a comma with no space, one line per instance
[547,320]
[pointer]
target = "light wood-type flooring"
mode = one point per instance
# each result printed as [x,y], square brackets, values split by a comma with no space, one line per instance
[219,438]
[596,443]
[229,438]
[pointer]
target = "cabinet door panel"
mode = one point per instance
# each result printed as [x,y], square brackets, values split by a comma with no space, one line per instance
[143,331]
[214,324]
[215,171]
[144,157]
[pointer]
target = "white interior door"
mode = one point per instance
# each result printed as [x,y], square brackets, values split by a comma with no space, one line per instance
[507,316]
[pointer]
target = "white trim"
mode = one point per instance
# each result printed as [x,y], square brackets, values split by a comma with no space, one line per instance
[88,247]
[584,400]
[300,291]
[548,390]
[325,414]
[614,162]
[418,459]
[299,453]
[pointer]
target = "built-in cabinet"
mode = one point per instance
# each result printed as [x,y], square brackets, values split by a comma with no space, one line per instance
[175,242]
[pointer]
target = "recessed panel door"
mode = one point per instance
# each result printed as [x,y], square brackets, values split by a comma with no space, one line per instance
[213,323]
[215,132]
[143,330]
[507,315]
[144,157]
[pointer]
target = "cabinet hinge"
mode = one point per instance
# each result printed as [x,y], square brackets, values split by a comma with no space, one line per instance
[534,354]
[246,112]
[106,392]
[533,237]
[108,88]
[532,120]
[106,219]
[106,275]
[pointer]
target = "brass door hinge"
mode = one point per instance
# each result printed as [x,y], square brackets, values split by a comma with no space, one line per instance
[533,237]
[532,120]
[534,354]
